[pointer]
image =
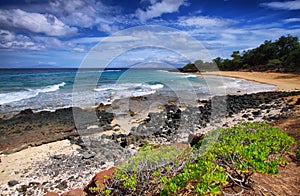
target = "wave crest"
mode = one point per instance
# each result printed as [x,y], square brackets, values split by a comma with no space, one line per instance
[29,93]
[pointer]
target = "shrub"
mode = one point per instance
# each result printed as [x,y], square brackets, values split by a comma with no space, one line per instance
[230,161]
[144,172]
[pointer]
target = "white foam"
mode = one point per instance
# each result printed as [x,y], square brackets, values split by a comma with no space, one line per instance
[102,89]
[116,70]
[118,91]
[116,87]
[156,86]
[236,84]
[192,76]
[189,76]
[128,86]
[29,93]
[51,88]
[142,93]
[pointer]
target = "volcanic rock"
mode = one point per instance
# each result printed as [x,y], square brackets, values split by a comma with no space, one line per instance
[100,178]
[193,139]
[75,192]
[12,182]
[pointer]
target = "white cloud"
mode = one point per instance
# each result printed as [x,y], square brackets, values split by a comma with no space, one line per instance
[75,12]
[287,5]
[156,8]
[35,22]
[9,40]
[79,49]
[244,38]
[222,36]
[47,63]
[291,20]
[87,14]
[203,21]
[108,27]
[88,40]
[6,36]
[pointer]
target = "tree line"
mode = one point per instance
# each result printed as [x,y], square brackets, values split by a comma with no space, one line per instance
[281,55]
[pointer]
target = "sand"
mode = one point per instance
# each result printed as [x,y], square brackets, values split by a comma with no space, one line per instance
[26,158]
[283,81]
[12,165]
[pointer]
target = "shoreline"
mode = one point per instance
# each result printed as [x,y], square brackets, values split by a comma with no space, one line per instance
[275,106]
[115,146]
[283,81]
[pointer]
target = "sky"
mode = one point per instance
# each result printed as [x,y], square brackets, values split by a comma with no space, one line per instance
[61,33]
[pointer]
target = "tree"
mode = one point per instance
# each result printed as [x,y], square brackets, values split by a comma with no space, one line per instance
[274,63]
[282,54]
[285,45]
[218,61]
[237,60]
[293,60]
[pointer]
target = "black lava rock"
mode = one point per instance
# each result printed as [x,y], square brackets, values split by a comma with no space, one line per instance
[23,188]
[12,182]
[63,185]
[88,156]
[297,102]
[256,113]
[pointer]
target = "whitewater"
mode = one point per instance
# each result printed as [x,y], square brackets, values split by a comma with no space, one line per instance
[50,89]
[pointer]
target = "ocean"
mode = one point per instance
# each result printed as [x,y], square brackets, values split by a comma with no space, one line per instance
[50,89]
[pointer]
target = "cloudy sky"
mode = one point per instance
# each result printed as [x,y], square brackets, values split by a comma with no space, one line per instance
[60,33]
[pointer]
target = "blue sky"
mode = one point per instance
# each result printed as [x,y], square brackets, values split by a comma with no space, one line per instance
[60,33]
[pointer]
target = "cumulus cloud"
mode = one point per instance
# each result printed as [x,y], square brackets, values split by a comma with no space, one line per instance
[157,8]
[287,5]
[9,40]
[75,12]
[34,22]
[87,14]
[222,36]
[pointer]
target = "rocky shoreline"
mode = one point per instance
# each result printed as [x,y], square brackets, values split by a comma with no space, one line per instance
[105,144]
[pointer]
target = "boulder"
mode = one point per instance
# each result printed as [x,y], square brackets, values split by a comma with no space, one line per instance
[297,102]
[75,192]
[12,182]
[51,194]
[193,139]
[256,113]
[88,156]
[26,112]
[99,179]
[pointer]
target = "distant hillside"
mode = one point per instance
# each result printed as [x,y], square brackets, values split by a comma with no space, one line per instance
[282,55]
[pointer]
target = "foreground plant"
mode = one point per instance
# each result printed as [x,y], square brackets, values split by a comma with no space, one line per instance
[228,161]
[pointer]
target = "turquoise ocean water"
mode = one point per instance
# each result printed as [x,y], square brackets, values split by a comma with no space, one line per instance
[50,89]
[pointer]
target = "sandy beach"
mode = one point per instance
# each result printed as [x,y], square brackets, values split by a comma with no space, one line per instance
[27,157]
[13,164]
[283,81]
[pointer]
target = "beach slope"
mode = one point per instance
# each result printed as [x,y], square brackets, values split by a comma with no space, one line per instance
[283,81]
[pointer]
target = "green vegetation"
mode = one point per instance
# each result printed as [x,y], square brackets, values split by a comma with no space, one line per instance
[281,55]
[206,169]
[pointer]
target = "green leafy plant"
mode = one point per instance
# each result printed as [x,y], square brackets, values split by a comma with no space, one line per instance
[148,168]
[229,161]
[235,156]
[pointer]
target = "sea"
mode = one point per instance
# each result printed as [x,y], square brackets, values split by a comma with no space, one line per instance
[51,89]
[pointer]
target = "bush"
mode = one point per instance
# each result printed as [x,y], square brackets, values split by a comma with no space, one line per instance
[274,63]
[230,161]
